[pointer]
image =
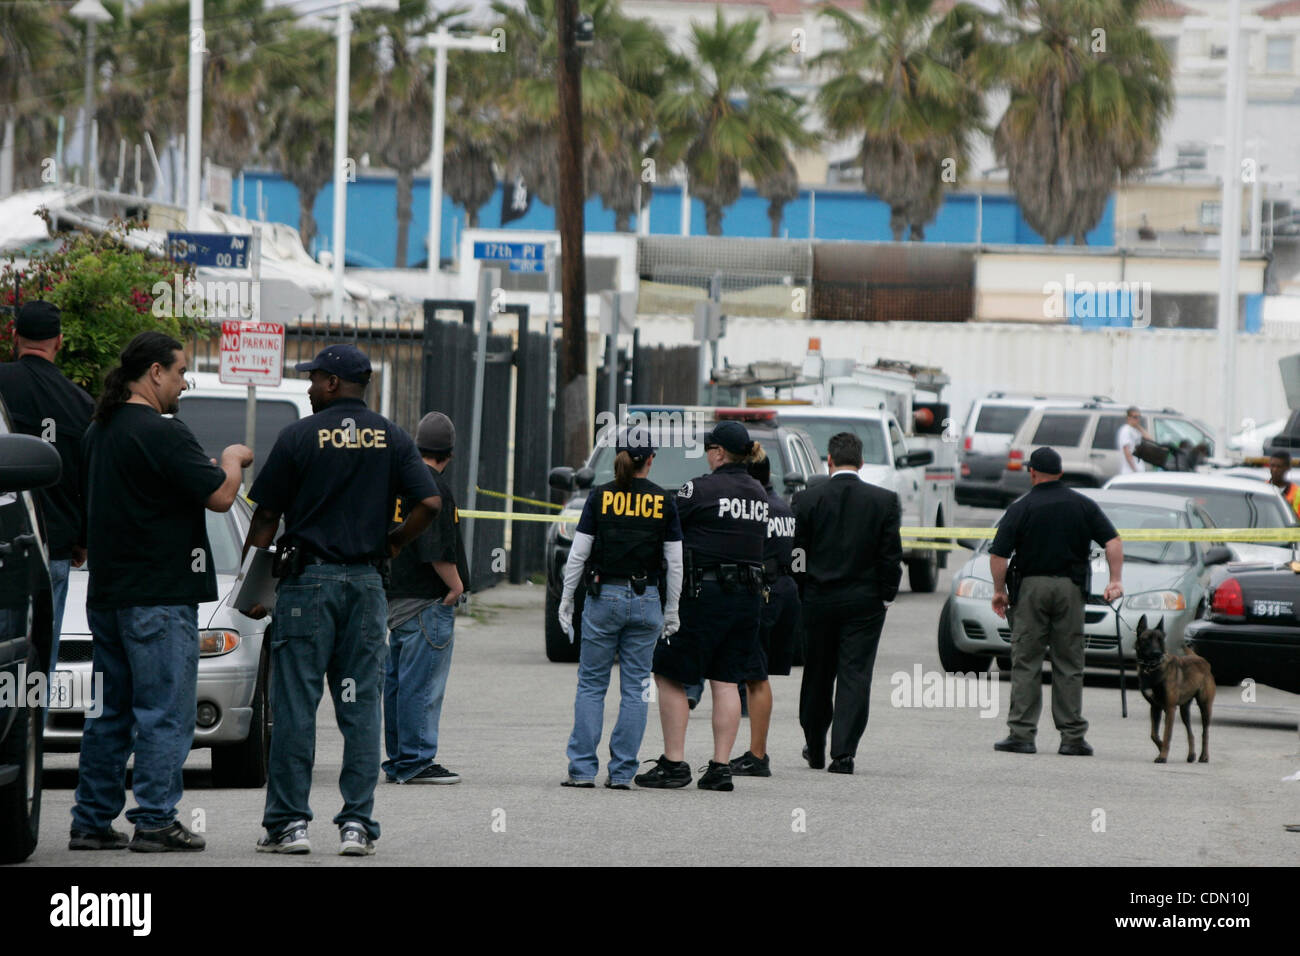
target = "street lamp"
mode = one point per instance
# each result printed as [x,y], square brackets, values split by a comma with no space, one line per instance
[442,41]
[92,13]
[342,78]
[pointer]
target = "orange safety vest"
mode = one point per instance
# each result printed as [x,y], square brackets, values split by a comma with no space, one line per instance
[1292,496]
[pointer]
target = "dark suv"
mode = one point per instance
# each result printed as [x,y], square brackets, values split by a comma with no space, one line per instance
[26,621]
[680,457]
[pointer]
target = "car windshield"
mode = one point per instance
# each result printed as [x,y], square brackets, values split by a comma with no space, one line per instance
[1230,509]
[675,464]
[820,430]
[1124,516]
[224,540]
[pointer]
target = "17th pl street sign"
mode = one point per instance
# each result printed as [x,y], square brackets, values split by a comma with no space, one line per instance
[219,249]
[522,256]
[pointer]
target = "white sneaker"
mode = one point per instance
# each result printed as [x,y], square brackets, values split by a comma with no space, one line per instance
[292,839]
[354,841]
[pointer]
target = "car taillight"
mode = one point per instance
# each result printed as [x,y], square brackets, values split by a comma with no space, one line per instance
[970,440]
[1015,460]
[1228,600]
[965,470]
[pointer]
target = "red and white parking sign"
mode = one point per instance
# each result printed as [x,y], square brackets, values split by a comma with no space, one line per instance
[252,353]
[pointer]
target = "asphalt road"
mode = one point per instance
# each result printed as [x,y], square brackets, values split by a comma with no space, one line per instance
[929,788]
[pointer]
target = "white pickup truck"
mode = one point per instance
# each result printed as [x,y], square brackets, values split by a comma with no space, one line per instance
[924,485]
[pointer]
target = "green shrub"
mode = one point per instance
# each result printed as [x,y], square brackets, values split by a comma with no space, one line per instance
[104,291]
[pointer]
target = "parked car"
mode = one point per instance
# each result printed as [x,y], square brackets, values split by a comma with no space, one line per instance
[233,717]
[25,633]
[1252,629]
[1166,579]
[216,413]
[1231,503]
[789,449]
[990,425]
[1086,436]
[924,487]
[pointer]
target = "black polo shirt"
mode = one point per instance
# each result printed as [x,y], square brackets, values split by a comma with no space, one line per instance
[43,402]
[335,477]
[147,480]
[724,517]
[1050,530]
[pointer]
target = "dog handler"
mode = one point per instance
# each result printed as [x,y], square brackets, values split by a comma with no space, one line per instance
[1049,530]
[724,525]
[628,528]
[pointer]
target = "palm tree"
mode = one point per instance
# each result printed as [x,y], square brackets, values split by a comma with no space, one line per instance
[1082,114]
[622,73]
[907,82]
[29,55]
[474,134]
[727,116]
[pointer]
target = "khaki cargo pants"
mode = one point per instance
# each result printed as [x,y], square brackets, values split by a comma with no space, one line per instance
[1048,613]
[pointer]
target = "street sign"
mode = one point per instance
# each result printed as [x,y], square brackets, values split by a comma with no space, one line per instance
[498,251]
[219,249]
[252,353]
[527,265]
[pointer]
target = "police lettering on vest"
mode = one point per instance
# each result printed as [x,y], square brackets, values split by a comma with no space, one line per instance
[724,516]
[352,437]
[631,505]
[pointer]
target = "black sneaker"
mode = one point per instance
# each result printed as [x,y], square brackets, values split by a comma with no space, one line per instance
[109,839]
[292,839]
[750,766]
[166,840]
[717,776]
[665,774]
[435,773]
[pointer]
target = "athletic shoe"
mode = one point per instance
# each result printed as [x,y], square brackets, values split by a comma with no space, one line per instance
[166,840]
[611,785]
[665,774]
[435,773]
[109,839]
[750,766]
[292,839]
[717,776]
[580,784]
[355,841]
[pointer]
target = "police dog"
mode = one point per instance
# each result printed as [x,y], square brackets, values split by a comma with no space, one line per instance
[1169,682]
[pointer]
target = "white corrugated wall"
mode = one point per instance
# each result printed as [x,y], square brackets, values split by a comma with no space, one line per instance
[1149,367]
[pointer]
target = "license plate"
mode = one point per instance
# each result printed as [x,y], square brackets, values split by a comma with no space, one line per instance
[61,690]
[1271,608]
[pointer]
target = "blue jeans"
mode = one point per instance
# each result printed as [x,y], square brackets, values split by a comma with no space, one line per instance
[59,591]
[419,657]
[329,624]
[149,657]
[618,622]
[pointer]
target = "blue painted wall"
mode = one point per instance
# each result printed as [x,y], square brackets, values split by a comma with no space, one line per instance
[372,213]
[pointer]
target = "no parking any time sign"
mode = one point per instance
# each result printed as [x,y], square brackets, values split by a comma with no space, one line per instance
[252,353]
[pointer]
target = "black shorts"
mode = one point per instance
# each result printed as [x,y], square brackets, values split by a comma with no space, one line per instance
[717,639]
[774,652]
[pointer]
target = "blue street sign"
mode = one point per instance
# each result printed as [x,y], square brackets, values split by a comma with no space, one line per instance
[527,265]
[500,251]
[218,249]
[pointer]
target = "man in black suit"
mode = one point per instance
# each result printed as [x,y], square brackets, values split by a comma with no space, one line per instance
[846,531]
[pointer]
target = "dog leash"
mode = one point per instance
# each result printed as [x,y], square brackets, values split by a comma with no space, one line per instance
[1119,649]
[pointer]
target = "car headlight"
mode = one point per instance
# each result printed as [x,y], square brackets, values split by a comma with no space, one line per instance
[214,643]
[975,588]
[1156,601]
[568,523]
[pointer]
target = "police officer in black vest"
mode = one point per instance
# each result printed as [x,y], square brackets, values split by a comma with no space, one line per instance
[628,532]
[774,652]
[334,476]
[724,526]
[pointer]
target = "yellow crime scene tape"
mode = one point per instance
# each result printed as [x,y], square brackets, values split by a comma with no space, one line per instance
[501,494]
[942,539]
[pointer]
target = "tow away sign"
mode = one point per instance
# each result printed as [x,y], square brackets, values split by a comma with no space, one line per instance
[252,353]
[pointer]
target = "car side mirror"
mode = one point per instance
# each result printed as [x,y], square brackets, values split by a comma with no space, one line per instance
[583,477]
[27,462]
[561,478]
[1217,555]
[970,544]
[914,459]
[795,481]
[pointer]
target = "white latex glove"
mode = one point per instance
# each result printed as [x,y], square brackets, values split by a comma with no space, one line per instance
[672,622]
[566,617]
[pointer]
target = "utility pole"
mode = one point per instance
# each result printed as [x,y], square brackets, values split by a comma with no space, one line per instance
[573,280]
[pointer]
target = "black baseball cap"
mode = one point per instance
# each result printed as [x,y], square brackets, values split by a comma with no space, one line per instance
[38,320]
[1045,460]
[732,436]
[346,361]
[636,441]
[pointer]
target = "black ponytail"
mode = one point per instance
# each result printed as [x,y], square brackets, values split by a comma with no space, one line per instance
[136,359]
